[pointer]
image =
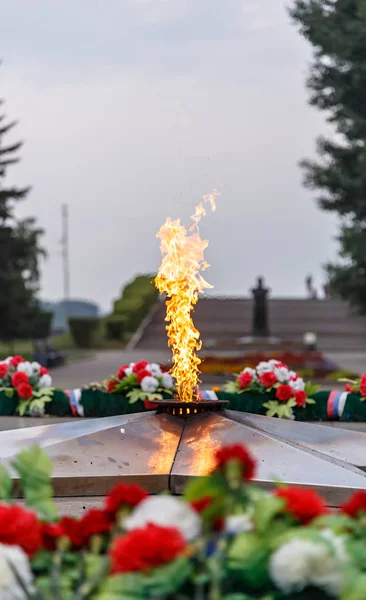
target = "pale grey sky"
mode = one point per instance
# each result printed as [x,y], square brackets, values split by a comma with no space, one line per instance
[131,110]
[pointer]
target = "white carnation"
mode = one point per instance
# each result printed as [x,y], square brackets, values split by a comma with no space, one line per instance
[8,359]
[132,364]
[167,381]
[282,374]
[251,372]
[298,385]
[165,511]
[9,586]
[25,367]
[154,369]
[35,367]
[300,563]
[263,367]
[149,384]
[45,380]
[128,371]
[235,524]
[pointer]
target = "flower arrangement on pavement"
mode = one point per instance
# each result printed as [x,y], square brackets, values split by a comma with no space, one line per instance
[141,381]
[224,539]
[356,386]
[286,387]
[29,381]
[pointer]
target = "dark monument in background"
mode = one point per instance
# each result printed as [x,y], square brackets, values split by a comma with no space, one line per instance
[260,311]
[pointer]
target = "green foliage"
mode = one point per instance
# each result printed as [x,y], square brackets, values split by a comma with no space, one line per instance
[5,484]
[138,298]
[19,251]
[336,30]
[84,331]
[39,399]
[34,468]
[116,327]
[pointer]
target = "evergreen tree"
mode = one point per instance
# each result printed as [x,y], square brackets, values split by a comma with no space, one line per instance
[19,251]
[337,82]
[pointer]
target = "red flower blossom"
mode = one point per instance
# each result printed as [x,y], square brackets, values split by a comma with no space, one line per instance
[200,506]
[121,372]
[94,522]
[139,366]
[111,385]
[71,530]
[150,405]
[141,374]
[300,398]
[43,371]
[348,388]
[146,548]
[245,380]
[25,391]
[123,495]
[302,504]
[4,370]
[284,393]
[51,532]
[363,386]
[16,360]
[268,379]
[238,453]
[20,527]
[356,504]
[18,378]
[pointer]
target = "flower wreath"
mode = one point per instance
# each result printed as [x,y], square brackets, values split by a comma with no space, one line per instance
[30,381]
[356,386]
[274,376]
[141,381]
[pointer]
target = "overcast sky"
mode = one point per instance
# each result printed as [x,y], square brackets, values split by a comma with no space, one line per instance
[131,110]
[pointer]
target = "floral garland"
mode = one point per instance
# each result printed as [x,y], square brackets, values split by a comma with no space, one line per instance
[287,387]
[29,381]
[356,386]
[223,539]
[141,381]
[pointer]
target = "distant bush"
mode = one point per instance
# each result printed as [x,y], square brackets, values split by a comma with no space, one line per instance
[41,325]
[84,331]
[138,298]
[116,327]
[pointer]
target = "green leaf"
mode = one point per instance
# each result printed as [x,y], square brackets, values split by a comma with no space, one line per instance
[310,389]
[128,586]
[6,484]
[168,578]
[265,510]
[231,387]
[203,486]
[310,401]
[34,468]
[22,407]
[8,391]
[248,556]
[272,406]
[355,586]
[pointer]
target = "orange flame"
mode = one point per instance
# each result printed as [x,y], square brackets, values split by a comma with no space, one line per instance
[180,279]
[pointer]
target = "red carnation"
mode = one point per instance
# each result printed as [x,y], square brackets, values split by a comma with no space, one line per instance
[20,527]
[284,393]
[94,522]
[356,504]
[150,405]
[146,548]
[245,380]
[111,385]
[16,360]
[141,374]
[302,504]
[4,370]
[121,372]
[139,366]
[18,378]
[363,386]
[123,495]
[239,453]
[300,398]
[25,391]
[71,530]
[43,371]
[201,505]
[51,532]
[348,388]
[268,379]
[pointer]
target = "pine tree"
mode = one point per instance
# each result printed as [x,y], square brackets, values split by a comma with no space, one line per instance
[19,251]
[337,82]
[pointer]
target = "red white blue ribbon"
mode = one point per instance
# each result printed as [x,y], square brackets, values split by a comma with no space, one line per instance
[74,397]
[207,395]
[335,404]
